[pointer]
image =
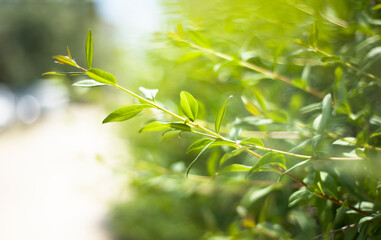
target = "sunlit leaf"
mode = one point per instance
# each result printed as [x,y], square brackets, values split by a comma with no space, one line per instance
[149,93]
[155,126]
[64,73]
[199,39]
[251,141]
[211,163]
[269,159]
[189,105]
[221,115]
[235,168]
[68,53]
[189,56]
[199,144]
[101,76]
[125,113]
[302,194]
[89,49]
[88,83]
[294,167]
[316,186]
[65,60]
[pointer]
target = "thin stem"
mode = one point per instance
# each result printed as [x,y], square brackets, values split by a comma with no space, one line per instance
[335,231]
[255,68]
[348,64]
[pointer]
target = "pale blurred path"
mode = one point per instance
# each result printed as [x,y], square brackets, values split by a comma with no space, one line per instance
[51,185]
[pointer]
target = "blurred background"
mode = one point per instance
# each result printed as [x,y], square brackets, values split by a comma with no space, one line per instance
[64,175]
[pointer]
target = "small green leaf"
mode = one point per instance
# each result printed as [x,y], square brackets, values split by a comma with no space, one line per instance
[65,60]
[231,154]
[211,163]
[298,196]
[331,59]
[189,56]
[198,39]
[200,153]
[89,49]
[299,83]
[221,115]
[155,126]
[68,53]
[293,167]
[101,76]
[149,93]
[125,113]
[199,144]
[316,186]
[315,35]
[348,141]
[64,73]
[88,83]
[252,141]
[189,105]
[269,159]
[326,111]
[378,6]
[180,126]
[235,168]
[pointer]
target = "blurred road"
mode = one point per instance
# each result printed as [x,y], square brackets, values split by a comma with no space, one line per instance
[51,185]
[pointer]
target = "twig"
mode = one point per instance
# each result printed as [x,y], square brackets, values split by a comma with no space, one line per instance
[335,231]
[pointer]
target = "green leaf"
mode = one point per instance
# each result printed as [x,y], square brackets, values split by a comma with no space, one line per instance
[252,141]
[348,141]
[149,93]
[200,143]
[211,163]
[64,73]
[88,83]
[331,59]
[316,186]
[197,157]
[155,126]
[298,196]
[89,49]
[269,159]
[125,113]
[65,60]
[180,126]
[235,168]
[231,154]
[189,56]
[299,83]
[198,39]
[101,76]
[315,35]
[378,6]
[189,105]
[326,111]
[221,115]
[293,167]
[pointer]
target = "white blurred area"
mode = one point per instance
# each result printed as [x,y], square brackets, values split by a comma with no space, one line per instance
[53,185]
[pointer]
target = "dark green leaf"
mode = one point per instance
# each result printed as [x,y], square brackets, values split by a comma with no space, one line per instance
[88,83]
[199,144]
[221,115]
[101,76]
[252,141]
[65,60]
[235,168]
[200,153]
[331,59]
[293,167]
[125,113]
[231,154]
[189,105]
[269,159]
[180,126]
[316,186]
[89,49]
[155,126]
[298,196]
